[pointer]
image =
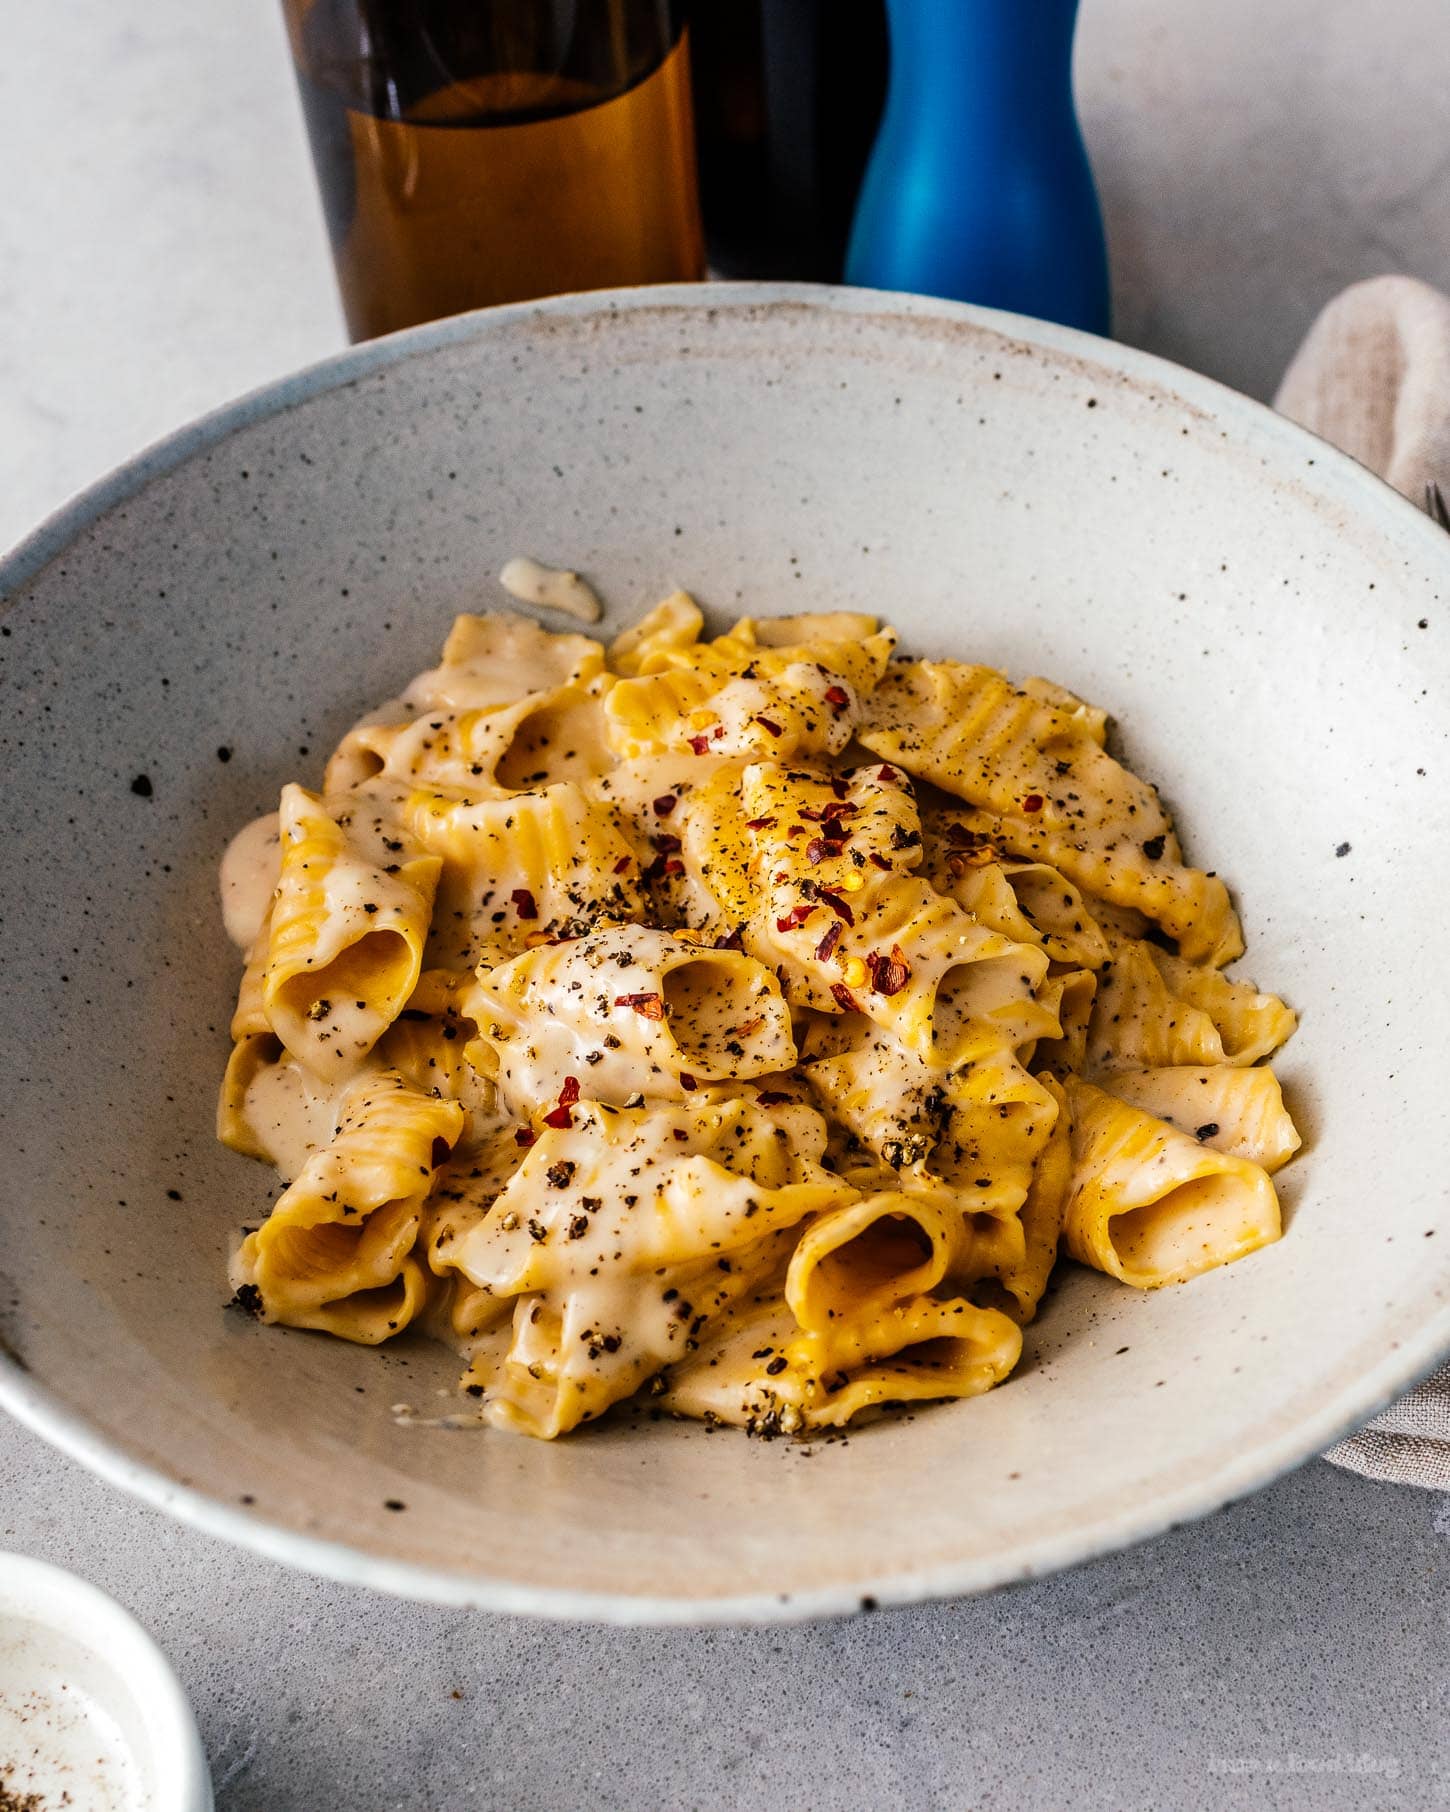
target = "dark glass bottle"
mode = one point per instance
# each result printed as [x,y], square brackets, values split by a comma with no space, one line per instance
[788,95]
[480,151]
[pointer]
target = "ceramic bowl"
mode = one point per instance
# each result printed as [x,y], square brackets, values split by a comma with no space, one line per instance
[1266,621]
[91,1714]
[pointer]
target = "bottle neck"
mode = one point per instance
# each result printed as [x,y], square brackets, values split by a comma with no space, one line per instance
[1004,57]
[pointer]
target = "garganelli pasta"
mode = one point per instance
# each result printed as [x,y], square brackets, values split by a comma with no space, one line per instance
[744,1021]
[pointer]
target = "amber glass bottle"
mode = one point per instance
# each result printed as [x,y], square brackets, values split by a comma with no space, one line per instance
[480,151]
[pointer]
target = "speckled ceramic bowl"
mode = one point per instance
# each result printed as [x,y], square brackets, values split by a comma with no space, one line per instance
[1266,620]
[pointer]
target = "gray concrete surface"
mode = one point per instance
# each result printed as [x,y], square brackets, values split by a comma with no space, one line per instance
[160,250]
[1290,1652]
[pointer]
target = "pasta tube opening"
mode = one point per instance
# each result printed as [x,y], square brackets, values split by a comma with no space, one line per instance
[1202,1221]
[380,963]
[720,1025]
[558,738]
[986,1003]
[1151,1205]
[369,1317]
[861,1259]
[355,762]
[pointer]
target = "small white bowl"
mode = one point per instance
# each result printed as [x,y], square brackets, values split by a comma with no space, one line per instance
[89,1706]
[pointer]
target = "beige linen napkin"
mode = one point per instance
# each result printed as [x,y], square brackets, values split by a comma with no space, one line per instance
[1373,376]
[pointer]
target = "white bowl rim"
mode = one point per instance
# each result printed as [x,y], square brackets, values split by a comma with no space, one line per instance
[73,1606]
[1417,1353]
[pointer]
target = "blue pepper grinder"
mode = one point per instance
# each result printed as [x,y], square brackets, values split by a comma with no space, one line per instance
[979,186]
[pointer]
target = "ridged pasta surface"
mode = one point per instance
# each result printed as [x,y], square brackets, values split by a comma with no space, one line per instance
[745,1025]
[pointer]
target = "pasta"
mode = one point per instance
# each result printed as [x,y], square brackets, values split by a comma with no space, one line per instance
[745,1024]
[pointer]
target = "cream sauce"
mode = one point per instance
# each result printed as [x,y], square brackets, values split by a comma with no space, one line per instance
[249,873]
[648,1195]
[495,865]
[553,588]
[291,1113]
[501,659]
[623,1234]
[595,1009]
[397,710]
[877,1089]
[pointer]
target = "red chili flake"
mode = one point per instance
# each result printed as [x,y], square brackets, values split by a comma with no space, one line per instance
[767,724]
[818,849]
[700,744]
[568,1095]
[826,948]
[759,823]
[959,836]
[811,814]
[880,861]
[889,974]
[667,844]
[840,809]
[796,916]
[840,787]
[664,865]
[772,1097]
[887,776]
[796,830]
[844,998]
[688,1082]
[665,804]
[524,903]
[648,1006]
[1034,802]
[837,698]
[836,904]
[525,1135]
[621,867]
[730,940]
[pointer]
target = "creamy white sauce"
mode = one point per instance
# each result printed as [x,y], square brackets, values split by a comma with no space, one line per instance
[292,1114]
[554,588]
[600,1160]
[595,1009]
[876,1088]
[249,873]
[499,660]
[391,711]
[794,702]
[588,1234]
